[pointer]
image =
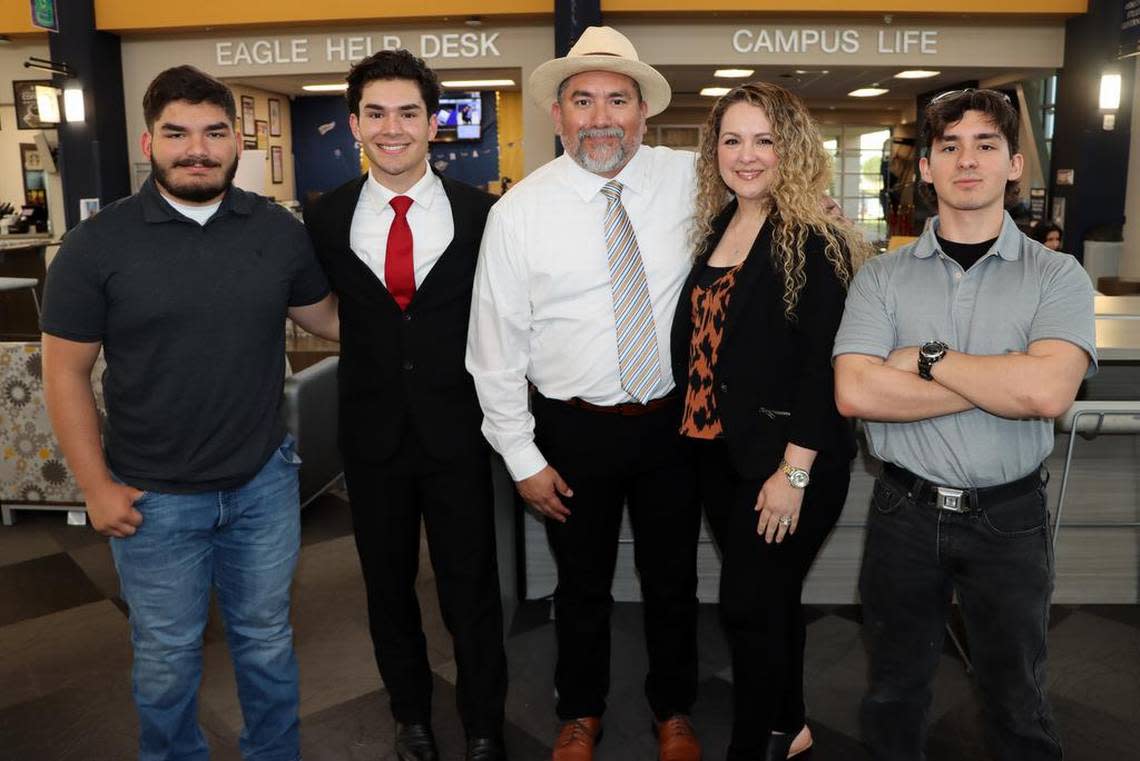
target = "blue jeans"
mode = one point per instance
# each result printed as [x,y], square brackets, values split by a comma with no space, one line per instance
[999,560]
[242,542]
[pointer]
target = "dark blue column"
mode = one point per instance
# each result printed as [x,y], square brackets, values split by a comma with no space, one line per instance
[571,17]
[1098,157]
[93,158]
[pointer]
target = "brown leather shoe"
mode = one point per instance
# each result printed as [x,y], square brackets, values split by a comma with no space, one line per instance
[676,740]
[577,738]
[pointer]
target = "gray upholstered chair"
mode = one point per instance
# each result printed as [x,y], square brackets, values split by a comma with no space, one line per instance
[310,409]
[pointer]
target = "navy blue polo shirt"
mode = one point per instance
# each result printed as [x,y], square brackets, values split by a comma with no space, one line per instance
[192,322]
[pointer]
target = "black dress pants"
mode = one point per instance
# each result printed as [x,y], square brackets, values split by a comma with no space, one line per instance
[610,460]
[760,588]
[456,503]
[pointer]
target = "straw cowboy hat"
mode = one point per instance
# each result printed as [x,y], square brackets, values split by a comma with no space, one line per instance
[601,48]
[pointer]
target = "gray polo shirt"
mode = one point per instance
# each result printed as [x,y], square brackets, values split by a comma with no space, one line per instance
[1019,292]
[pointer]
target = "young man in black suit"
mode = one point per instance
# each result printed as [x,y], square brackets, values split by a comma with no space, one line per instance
[399,246]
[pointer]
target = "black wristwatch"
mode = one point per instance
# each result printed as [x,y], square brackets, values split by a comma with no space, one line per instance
[929,353]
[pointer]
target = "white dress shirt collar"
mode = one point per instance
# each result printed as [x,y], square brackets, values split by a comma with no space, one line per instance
[586,184]
[422,193]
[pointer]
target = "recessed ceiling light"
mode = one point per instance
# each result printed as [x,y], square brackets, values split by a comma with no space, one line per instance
[326,88]
[867,92]
[475,84]
[917,74]
[734,73]
[715,92]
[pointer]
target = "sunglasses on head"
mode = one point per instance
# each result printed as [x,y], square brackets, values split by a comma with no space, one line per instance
[951,94]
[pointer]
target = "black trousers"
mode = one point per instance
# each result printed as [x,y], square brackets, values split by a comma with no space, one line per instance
[760,587]
[609,461]
[455,502]
[999,560]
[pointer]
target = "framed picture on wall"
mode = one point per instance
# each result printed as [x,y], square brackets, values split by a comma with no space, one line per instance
[262,132]
[247,117]
[274,117]
[35,189]
[24,100]
[277,164]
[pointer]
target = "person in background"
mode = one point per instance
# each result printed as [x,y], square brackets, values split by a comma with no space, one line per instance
[185,285]
[752,341]
[1048,235]
[399,245]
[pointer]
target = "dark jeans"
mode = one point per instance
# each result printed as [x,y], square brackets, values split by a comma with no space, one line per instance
[456,504]
[760,588]
[611,460]
[999,561]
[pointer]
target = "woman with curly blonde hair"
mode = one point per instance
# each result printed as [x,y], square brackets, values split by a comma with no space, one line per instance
[752,344]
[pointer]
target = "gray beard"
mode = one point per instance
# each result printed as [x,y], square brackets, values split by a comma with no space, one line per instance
[608,164]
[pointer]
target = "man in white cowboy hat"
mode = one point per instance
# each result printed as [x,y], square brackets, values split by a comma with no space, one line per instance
[578,277]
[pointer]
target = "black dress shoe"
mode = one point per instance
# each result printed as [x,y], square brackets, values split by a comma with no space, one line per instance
[415,742]
[486,749]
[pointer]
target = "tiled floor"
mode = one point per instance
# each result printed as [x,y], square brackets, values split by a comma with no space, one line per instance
[65,656]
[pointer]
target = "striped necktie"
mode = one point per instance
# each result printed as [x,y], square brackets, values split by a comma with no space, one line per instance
[638,358]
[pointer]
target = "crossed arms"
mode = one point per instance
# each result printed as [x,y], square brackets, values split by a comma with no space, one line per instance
[1041,382]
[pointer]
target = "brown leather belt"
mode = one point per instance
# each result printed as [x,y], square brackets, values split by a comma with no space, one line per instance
[630,409]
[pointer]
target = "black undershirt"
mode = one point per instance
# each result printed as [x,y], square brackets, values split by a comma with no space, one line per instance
[710,274]
[966,254]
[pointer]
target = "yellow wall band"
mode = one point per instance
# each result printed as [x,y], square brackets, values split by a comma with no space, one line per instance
[134,15]
[125,15]
[937,7]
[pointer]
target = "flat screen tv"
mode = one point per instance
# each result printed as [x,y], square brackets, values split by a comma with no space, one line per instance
[460,117]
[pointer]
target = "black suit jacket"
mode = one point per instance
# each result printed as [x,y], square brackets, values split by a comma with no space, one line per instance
[402,370]
[773,377]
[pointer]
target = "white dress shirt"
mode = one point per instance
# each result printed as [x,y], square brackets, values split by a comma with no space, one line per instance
[429,216]
[542,308]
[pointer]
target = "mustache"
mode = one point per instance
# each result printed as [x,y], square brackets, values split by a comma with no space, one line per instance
[201,161]
[617,132]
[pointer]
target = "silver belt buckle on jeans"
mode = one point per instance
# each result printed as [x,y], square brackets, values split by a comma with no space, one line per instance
[950,499]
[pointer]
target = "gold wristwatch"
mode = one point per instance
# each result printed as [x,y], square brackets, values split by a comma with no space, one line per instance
[797,477]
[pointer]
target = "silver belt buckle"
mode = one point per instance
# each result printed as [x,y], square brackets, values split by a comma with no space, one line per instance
[950,499]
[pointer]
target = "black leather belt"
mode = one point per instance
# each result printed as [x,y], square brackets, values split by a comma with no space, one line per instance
[958,500]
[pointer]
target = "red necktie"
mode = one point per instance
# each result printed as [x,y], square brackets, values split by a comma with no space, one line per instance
[399,269]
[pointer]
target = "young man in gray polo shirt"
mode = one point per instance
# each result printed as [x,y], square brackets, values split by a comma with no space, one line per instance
[957,351]
[185,286]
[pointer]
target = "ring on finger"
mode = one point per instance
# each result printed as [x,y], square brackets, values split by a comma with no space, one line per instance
[786,520]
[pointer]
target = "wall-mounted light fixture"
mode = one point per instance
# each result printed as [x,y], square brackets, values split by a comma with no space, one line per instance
[47,104]
[73,108]
[1109,91]
[1110,85]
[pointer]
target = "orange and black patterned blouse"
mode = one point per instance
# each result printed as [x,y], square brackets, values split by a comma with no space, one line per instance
[709,306]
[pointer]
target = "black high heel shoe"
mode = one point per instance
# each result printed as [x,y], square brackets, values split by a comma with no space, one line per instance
[778,746]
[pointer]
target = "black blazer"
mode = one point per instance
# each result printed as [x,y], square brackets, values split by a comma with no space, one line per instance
[403,369]
[773,378]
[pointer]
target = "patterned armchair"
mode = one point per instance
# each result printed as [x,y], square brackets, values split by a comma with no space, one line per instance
[33,473]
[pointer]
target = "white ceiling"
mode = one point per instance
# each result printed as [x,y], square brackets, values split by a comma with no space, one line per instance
[821,88]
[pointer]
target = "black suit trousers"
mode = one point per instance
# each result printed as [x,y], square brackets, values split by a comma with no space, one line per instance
[609,461]
[455,501]
[760,588]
